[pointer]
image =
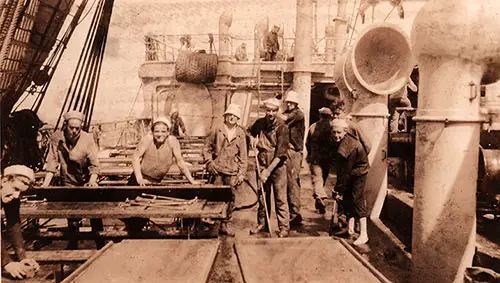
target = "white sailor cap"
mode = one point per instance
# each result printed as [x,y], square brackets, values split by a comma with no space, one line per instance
[339,124]
[20,170]
[73,115]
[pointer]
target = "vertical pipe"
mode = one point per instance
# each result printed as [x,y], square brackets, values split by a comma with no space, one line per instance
[444,212]
[340,28]
[224,65]
[456,46]
[303,55]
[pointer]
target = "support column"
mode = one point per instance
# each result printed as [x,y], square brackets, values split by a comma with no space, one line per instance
[340,28]
[224,66]
[303,55]
[452,67]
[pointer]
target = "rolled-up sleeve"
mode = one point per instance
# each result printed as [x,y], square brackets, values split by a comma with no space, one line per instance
[243,154]
[282,140]
[209,147]
[94,164]
[52,157]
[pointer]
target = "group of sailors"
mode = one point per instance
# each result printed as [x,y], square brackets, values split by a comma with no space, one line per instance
[332,143]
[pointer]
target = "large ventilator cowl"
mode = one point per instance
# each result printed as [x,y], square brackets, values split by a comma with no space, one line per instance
[380,59]
[379,62]
[466,29]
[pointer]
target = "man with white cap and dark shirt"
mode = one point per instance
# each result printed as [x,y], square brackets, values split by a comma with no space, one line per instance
[73,154]
[294,119]
[15,180]
[272,144]
[352,167]
[225,154]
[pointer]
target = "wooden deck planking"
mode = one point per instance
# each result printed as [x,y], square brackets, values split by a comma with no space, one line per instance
[319,259]
[199,209]
[152,261]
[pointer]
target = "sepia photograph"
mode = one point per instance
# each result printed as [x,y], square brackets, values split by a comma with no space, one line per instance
[250,141]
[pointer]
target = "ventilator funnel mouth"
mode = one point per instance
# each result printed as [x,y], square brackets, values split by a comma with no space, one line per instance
[381,59]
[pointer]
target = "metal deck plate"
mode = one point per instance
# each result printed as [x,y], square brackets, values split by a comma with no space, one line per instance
[313,260]
[138,261]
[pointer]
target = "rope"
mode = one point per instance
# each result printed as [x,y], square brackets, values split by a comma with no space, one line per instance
[82,92]
[10,32]
[390,12]
[355,22]
[57,54]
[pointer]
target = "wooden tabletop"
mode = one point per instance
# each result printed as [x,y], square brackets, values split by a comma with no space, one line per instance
[199,209]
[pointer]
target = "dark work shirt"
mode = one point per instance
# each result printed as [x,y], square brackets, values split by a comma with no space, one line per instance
[176,124]
[319,143]
[13,232]
[351,161]
[297,127]
[273,139]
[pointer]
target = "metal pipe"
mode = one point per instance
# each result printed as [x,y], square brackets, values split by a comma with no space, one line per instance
[365,75]
[444,214]
[340,29]
[224,65]
[303,55]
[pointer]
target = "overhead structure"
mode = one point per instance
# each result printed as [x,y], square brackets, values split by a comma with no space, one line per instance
[28,32]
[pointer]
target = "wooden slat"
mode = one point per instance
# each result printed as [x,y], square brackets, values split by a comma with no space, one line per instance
[125,171]
[128,160]
[164,182]
[60,256]
[152,261]
[199,209]
[120,193]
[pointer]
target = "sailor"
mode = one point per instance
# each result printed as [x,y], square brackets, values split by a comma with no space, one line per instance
[271,44]
[241,52]
[73,156]
[319,145]
[178,129]
[353,128]
[272,145]
[352,167]
[294,119]
[152,160]
[225,153]
[155,154]
[401,100]
[15,180]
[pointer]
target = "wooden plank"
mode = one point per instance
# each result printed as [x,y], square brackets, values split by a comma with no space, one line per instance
[199,209]
[120,193]
[128,160]
[127,170]
[61,256]
[152,261]
[164,182]
[309,259]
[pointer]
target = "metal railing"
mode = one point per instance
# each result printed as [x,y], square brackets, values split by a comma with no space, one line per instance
[166,48]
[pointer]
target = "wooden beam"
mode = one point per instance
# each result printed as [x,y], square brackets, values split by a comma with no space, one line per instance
[120,193]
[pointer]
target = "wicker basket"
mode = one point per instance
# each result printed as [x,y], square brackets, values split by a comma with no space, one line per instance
[192,67]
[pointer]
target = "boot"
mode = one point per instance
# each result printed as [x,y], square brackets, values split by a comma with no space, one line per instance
[363,235]
[223,230]
[283,233]
[259,229]
[320,205]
